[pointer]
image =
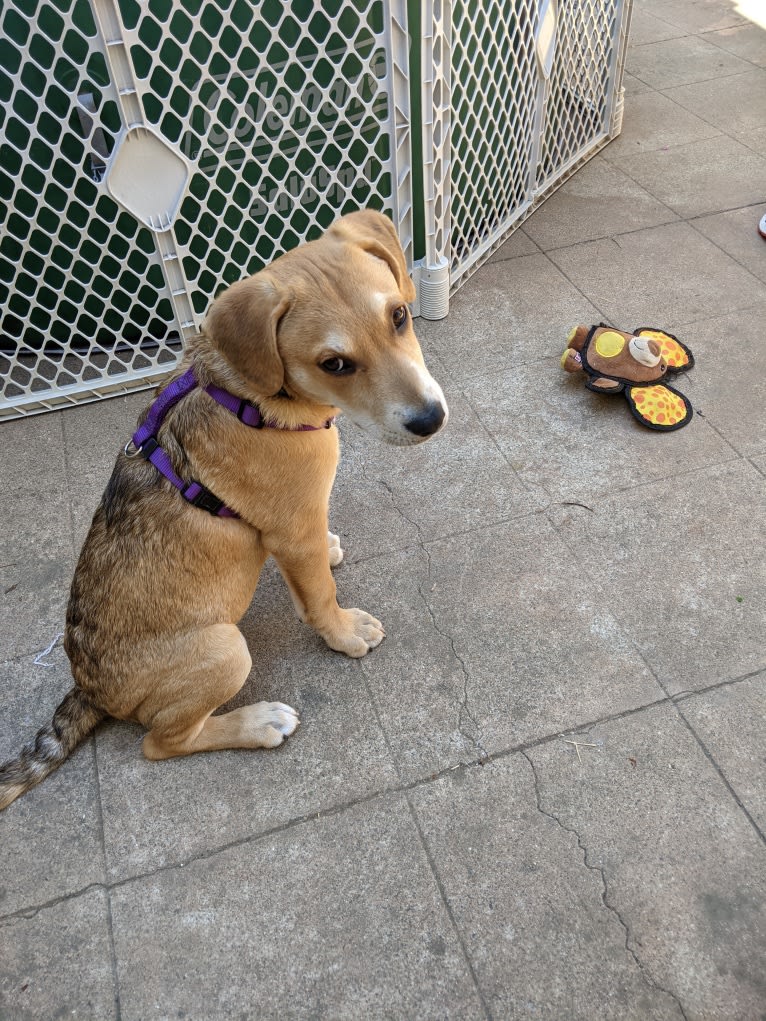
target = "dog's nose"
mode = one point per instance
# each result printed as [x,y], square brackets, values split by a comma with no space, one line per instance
[427,423]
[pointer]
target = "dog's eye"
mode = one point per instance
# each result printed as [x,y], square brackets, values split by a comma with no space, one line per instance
[400,316]
[337,366]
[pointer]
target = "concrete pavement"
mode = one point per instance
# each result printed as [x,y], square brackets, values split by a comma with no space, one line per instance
[543,796]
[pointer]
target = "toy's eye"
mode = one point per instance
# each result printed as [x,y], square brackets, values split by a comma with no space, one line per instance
[663,366]
[399,316]
[338,366]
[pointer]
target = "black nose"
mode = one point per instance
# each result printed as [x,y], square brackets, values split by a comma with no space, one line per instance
[428,423]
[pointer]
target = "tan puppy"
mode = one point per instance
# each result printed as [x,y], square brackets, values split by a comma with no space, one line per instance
[151,629]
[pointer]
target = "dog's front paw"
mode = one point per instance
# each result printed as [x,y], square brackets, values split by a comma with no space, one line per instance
[358,632]
[270,722]
[336,553]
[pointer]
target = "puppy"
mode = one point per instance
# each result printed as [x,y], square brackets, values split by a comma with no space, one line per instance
[232,464]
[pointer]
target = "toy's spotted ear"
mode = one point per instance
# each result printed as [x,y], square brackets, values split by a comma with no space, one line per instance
[677,356]
[659,407]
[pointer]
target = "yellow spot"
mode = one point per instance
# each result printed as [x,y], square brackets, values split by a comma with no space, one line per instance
[609,343]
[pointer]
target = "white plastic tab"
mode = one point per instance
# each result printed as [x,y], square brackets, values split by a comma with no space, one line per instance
[147,177]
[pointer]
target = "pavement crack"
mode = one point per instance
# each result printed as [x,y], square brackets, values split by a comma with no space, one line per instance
[467,724]
[598,869]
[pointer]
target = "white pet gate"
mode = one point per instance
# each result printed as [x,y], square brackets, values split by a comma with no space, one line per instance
[152,151]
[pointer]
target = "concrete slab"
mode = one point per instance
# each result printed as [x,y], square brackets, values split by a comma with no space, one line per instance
[35,595]
[720,101]
[513,311]
[681,864]
[736,232]
[650,28]
[339,917]
[728,384]
[542,937]
[518,244]
[729,722]
[673,561]
[747,41]
[696,15]
[51,838]
[33,455]
[598,201]
[755,140]
[700,177]
[536,649]
[621,275]
[634,87]
[577,445]
[457,481]
[652,122]
[672,62]
[57,963]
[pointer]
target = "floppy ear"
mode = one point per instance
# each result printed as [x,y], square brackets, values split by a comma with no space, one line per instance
[242,324]
[374,233]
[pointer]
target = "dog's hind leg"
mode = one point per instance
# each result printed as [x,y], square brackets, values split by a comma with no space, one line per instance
[185,725]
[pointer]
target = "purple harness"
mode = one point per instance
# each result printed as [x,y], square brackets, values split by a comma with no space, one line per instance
[144,441]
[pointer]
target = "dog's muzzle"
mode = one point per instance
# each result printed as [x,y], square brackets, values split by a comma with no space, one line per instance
[428,422]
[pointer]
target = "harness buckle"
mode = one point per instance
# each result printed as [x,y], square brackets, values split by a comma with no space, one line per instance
[199,496]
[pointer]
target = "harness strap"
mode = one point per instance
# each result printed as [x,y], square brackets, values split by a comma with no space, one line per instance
[145,443]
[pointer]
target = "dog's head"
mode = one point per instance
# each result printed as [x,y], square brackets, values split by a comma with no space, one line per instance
[328,323]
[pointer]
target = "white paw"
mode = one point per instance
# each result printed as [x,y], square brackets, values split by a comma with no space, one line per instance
[274,721]
[333,545]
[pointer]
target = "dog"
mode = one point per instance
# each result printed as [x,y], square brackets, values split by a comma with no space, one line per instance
[233,463]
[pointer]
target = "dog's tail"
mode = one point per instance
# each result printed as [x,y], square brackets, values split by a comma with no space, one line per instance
[74,719]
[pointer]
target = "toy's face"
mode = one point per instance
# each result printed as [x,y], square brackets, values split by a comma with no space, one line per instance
[635,359]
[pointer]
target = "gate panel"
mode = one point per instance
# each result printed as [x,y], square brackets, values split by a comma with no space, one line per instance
[179,146]
[83,302]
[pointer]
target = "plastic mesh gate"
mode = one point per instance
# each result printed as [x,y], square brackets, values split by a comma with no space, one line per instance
[152,152]
[516,95]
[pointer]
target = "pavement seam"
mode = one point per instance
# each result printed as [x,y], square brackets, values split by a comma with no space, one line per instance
[600,871]
[405,791]
[402,788]
[109,921]
[448,907]
[719,771]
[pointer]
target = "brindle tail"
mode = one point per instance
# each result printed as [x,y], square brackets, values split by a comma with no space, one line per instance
[74,719]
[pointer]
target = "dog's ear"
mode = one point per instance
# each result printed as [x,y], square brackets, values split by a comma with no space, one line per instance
[242,324]
[374,233]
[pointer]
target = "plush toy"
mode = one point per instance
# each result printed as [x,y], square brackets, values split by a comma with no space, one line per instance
[637,365]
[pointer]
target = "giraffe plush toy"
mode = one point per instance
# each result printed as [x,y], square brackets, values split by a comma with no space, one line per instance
[637,365]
